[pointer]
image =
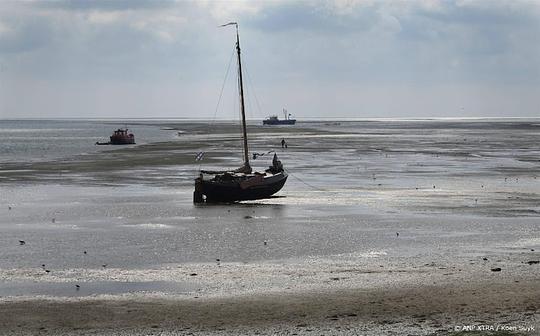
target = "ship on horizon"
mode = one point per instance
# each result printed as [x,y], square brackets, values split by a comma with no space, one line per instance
[274,120]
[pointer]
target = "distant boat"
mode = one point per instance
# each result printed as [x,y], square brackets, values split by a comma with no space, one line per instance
[274,120]
[120,137]
[240,184]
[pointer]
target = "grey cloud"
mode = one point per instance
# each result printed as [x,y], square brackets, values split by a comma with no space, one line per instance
[294,51]
[314,17]
[488,26]
[24,36]
[484,13]
[105,5]
[54,46]
[451,43]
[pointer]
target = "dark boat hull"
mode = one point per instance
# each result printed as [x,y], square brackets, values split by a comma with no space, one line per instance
[222,192]
[279,122]
[122,141]
[115,143]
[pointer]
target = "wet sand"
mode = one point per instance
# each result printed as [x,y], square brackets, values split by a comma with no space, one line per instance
[382,228]
[337,298]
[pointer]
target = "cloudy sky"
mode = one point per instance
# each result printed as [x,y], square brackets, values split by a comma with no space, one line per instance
[341,58]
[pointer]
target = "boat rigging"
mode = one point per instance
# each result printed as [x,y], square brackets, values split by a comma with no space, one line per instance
[242,183]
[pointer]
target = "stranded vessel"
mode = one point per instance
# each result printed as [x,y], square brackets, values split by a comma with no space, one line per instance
[227,186]
[120,137]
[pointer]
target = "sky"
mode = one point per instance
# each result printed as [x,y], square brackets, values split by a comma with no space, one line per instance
[317,59]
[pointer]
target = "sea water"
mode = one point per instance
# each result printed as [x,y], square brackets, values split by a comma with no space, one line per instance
[39,140]
[414,190]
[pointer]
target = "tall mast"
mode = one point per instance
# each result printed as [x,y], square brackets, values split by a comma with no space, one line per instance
[241,91]
[242,109]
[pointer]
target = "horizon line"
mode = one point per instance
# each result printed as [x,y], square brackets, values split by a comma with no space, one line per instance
[311,119]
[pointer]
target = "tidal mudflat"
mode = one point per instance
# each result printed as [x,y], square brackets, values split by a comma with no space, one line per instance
[384,227]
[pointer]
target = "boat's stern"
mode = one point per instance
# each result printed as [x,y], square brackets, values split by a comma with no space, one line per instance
[198,192]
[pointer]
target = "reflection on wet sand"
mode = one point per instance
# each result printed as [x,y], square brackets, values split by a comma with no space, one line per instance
[322,255]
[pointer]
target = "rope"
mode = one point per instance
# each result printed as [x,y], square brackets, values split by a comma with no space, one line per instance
[223,87]
[304,182]
[256,155]
[212,122]
[248,100]
[253,90]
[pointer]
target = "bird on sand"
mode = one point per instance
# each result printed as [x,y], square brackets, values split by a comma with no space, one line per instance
[22,242]
[397,234]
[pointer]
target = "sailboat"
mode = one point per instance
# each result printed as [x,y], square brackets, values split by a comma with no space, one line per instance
[243,183]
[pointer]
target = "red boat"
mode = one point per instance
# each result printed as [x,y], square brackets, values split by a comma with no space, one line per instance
[120,137]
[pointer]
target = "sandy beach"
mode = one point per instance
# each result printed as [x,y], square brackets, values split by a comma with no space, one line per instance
[384,228]
[323,297]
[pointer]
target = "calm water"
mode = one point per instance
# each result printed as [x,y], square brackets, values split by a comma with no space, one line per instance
[39,140]
[450,188]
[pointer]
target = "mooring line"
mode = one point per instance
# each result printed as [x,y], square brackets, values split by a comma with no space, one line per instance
[304,182]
